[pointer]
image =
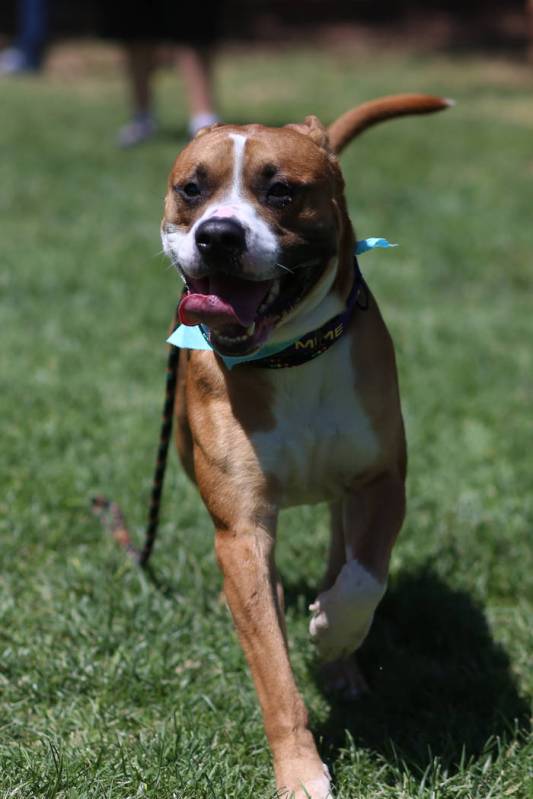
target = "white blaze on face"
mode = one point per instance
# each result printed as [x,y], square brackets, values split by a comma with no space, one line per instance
[239,145]
[262,249]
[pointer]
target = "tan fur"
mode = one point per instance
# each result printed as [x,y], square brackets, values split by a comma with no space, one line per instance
[354,122]
[257,440]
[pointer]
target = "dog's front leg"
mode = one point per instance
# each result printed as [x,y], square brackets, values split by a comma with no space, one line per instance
[245,553]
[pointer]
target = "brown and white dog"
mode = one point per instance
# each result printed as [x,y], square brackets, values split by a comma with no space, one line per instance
[256,222]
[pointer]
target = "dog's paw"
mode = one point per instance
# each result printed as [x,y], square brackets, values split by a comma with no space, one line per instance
[314,786]
[344,678]
[342,615]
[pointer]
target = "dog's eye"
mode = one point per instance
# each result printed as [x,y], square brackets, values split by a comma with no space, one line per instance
[189,191]
[279,194]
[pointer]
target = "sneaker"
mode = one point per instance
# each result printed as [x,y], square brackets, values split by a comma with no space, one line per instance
[200,121]
[141,128]
[13,61]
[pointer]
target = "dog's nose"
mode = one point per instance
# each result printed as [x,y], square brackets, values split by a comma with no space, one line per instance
[220,238]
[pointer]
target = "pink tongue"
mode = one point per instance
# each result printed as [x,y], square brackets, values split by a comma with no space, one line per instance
[230,301]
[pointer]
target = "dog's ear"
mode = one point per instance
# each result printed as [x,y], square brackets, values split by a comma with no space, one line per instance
[313,127]
[354,122]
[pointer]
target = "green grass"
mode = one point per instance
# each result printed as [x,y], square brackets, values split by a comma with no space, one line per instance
[113,686]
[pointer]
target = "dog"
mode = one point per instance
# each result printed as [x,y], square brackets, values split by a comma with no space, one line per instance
[293,396]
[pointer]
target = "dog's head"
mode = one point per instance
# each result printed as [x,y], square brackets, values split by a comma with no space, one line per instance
[255,221]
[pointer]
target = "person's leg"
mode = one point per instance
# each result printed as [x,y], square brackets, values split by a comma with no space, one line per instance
[529,14]
[140,64]
[195,66]
[28,49]
[33,31]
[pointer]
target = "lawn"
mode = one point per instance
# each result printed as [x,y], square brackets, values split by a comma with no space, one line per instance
[116,685]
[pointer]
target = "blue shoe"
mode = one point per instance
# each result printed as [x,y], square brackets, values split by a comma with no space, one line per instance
[13,62]
[200,121]
[141,128]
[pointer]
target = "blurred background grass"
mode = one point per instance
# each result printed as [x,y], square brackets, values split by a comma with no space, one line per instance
[112,686]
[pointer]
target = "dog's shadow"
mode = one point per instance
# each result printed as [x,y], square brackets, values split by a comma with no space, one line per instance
[440,686]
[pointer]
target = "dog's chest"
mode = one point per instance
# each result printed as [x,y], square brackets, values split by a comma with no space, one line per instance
[322,439]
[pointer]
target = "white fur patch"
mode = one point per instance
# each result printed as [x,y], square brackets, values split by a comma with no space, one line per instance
[239,144]
[319,788]
[342,615]
[323,437]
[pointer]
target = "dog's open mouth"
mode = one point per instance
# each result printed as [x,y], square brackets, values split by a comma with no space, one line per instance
[240,314]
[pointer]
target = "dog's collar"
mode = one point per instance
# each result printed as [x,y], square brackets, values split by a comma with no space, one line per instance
[302,349]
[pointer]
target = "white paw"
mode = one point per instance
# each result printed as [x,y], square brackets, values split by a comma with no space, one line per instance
[316,788]
[342,615]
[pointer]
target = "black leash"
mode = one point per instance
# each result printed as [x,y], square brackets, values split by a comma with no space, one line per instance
[110,513]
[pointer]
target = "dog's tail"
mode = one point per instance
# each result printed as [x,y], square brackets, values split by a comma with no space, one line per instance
[110,513]
[354,122]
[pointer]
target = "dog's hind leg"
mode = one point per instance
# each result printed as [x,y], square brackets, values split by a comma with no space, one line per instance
[337,549]
[342,676]
[342,615]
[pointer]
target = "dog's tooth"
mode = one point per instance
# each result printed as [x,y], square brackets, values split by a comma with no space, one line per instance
[250,330]
[271,296]
[231,339]
[273,293]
